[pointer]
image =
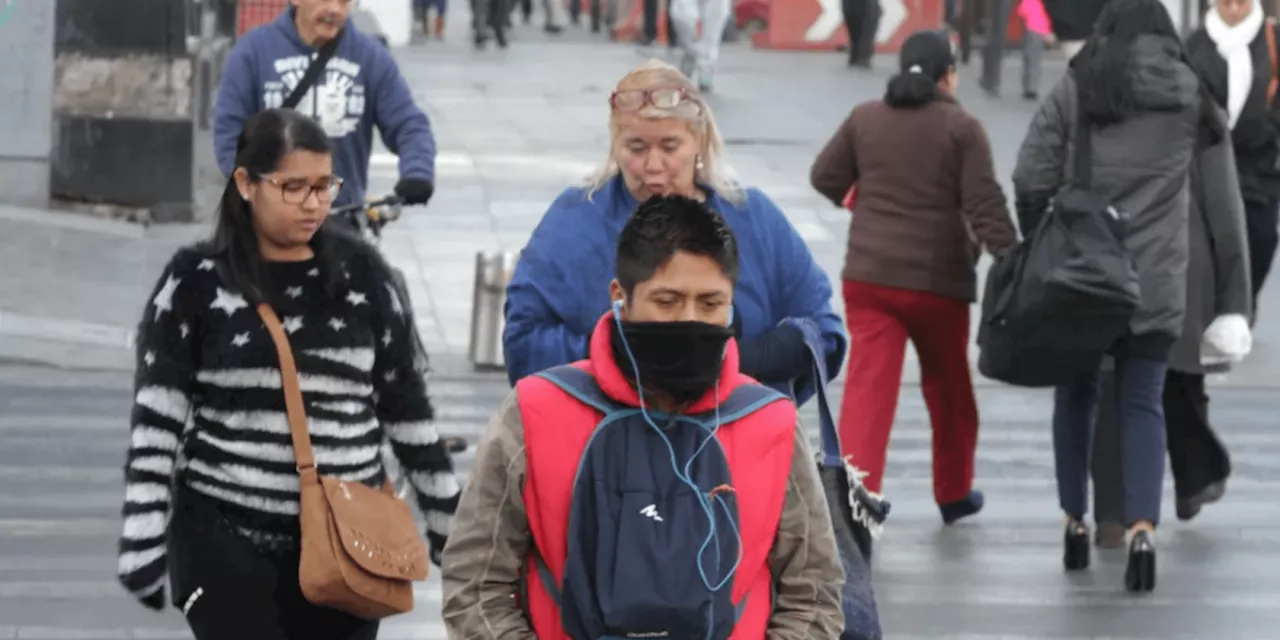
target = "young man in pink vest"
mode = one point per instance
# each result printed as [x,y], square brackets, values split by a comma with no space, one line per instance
[650,490]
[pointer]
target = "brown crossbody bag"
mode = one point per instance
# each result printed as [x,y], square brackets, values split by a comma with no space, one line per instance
[361,550]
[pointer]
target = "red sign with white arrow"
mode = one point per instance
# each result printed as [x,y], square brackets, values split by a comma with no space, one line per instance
[818,25]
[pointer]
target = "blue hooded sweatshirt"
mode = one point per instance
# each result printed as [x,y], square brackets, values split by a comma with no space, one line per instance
[361,87]
[561,284]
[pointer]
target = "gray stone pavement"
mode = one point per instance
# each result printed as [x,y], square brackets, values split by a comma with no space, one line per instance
[996,577]
[514,128]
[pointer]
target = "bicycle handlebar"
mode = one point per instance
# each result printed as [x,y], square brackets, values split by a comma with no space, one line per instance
[386,201]
[378,212]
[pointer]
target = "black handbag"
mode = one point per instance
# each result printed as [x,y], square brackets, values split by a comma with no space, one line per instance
[1056,303]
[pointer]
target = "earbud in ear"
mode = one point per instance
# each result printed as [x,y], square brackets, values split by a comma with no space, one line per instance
[730,323]
[617,307]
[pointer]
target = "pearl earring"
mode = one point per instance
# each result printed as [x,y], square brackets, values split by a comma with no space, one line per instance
[698,164]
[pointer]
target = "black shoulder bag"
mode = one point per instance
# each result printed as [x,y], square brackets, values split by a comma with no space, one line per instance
[1062,298]
[313,71]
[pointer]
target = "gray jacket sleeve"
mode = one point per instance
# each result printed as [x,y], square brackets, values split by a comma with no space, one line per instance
[490,538]
[1223,210]
[804,560]
[1042,160]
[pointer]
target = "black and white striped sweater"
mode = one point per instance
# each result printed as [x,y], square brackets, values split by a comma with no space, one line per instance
[208,380]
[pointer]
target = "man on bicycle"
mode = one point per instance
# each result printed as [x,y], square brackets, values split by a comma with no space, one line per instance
[360,87]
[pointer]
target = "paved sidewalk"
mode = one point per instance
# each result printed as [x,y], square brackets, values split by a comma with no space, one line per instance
[514,128]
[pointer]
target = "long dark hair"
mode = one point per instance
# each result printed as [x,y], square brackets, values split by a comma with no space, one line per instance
[926,58]
[1102,68]
[267,138]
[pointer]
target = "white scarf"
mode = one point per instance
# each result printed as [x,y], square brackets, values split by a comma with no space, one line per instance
[1233,45]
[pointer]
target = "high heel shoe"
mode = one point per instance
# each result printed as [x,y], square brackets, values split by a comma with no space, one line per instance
[1140,574]
[1075,546]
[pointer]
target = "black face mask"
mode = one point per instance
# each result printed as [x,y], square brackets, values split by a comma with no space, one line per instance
[679,359]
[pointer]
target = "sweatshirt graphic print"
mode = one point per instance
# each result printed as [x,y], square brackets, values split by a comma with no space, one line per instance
[208,381]
[360,88]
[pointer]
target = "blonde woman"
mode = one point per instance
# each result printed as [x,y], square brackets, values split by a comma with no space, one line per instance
[664,141]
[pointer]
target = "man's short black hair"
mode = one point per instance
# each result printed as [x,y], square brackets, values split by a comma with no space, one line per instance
[663,225]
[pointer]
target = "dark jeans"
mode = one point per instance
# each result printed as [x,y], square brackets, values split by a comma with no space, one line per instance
[993,53]
[861,21]
[231,589]
[489,15]
[650,22]
[1196,455]
[1140,409]
[1261,222]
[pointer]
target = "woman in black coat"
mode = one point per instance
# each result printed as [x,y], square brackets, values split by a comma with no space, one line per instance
[1232,55]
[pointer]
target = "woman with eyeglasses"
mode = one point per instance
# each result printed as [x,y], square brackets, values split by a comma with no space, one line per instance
[664,141]
[230,550]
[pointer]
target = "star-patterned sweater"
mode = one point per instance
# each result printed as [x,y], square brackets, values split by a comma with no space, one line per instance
[208,382]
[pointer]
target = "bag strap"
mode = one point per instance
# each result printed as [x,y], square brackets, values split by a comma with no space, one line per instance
[1083,168]
[1274,83]
[831,455]
[313,71]
[302,452]
[581,385]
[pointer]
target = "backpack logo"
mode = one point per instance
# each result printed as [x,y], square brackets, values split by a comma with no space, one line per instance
[651,512]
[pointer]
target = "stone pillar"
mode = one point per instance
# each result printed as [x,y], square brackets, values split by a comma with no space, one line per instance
[26,84]
[132,96]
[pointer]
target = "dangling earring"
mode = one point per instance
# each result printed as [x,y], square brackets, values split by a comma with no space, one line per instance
[698,165]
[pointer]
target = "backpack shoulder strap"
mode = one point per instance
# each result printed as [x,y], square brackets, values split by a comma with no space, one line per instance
[581,385]
[748,399]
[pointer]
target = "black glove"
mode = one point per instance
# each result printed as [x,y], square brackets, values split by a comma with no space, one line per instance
[435,547]
[779,354]
[415,190]
[155,601]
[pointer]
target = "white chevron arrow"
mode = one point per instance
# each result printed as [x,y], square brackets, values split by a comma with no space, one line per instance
[828,21]
[894,13]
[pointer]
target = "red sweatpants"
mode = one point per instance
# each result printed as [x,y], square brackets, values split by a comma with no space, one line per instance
[881,319]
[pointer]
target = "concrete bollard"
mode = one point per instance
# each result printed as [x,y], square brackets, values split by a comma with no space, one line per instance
[489,296]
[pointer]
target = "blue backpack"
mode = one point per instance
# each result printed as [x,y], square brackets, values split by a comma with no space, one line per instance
[653,540]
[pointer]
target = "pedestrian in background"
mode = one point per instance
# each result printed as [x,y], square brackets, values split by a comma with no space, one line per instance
[1131,81]
[861,21]
[1235,55]
[1215,331]
[698,27]
[927,202]
[1038,33]
[554,16]
[993,52]
[489,20]
[664,141]
[422,11]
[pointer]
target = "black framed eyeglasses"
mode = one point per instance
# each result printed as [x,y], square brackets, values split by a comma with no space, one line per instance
[297,190]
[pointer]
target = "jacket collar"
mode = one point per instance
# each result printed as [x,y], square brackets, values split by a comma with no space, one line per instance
[619,387]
